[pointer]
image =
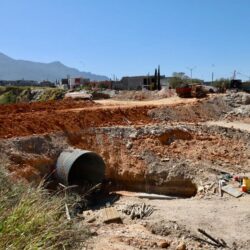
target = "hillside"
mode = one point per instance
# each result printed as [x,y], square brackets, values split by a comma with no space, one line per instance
[11,69]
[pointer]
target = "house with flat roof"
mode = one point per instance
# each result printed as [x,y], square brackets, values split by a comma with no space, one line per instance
[136,82]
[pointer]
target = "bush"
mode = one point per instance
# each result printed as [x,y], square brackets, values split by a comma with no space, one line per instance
[52,94]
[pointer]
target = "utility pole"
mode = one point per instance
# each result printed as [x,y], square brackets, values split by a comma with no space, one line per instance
[212,74]
[159,78]
[191,72]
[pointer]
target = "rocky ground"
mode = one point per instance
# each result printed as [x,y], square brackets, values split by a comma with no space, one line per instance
[178,149]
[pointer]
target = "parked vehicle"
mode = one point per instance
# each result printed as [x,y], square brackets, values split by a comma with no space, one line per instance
[191,91]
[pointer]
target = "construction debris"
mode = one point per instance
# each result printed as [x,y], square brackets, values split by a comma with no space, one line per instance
[220,190]
[232,191]
[138,211]
[110,215]
[67,212]
[215,242]
[145,195]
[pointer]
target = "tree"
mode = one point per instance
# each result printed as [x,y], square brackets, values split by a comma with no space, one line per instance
[180,75]
[154,87]
[177,79]
[159,79]
[222,83]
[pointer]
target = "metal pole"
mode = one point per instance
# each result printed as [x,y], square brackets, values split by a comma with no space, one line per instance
[212,73]
[191,71]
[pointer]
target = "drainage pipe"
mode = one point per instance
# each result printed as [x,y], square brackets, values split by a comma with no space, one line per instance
[79,167]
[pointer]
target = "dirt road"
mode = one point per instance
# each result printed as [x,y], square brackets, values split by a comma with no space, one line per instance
[165,101]
[227,124]
[226,218]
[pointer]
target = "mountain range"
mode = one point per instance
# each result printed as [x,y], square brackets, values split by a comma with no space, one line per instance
[11,69]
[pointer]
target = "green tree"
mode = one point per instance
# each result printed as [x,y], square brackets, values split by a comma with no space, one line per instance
[222,83]
[177,79]
[159,78]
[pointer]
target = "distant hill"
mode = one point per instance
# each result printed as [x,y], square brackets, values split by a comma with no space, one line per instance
[11,69]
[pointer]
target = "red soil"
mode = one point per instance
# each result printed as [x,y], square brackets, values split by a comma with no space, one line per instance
[44,106]
[39,118]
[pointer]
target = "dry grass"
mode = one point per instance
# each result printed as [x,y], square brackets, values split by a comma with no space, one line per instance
[31,218]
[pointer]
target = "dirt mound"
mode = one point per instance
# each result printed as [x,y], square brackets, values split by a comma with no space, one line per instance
[29,122]
[70,115]
[44,106]
[202,110]
[145,95]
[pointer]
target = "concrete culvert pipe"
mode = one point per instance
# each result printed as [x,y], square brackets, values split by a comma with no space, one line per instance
[77,167]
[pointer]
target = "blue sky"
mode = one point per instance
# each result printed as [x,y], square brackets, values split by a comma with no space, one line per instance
[130,37]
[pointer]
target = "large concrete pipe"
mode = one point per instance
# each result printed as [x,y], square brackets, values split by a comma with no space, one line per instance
[77,167]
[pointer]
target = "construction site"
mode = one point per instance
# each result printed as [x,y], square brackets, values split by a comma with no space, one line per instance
[169,171]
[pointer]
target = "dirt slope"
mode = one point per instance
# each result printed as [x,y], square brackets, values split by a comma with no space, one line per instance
[39,118]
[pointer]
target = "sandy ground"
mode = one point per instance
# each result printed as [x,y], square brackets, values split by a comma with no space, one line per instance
[164,101]
[222,217]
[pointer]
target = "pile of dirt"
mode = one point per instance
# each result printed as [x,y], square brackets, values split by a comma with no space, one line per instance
[237,99]
[70,115]
[144,95]
[202,110]
[65,118]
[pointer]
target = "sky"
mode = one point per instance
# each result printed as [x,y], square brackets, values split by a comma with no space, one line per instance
[131,37]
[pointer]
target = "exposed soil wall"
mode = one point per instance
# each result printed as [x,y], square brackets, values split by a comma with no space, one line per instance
[135,157]
[69,115]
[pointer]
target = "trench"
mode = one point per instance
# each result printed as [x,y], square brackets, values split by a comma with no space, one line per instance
[86,168]
[83,168]
[182,188]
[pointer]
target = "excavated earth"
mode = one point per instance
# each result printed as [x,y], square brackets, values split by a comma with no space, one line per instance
[169,149]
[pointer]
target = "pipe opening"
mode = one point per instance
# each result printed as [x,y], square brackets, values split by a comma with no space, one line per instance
[88,168]
[80,167]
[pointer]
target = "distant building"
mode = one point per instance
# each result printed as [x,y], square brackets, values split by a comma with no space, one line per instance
[78,82]
[19,83]
[72,83]
[136,82]
[165,82]
[47,84]
[101,85]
